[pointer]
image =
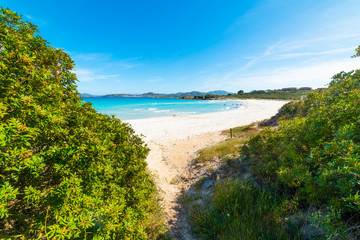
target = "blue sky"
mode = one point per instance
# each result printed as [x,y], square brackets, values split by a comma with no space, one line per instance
[169,46]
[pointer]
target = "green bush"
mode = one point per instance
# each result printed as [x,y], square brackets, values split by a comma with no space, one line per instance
[66,171]
[316,155]
[289,111]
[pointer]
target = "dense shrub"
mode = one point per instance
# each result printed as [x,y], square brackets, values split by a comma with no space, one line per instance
[66,171]
[316,155]
[289,111]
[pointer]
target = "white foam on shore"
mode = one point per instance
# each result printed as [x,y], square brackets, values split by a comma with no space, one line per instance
[180,127]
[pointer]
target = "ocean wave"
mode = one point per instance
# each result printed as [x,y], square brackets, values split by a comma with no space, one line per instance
[188,113]
[161,111]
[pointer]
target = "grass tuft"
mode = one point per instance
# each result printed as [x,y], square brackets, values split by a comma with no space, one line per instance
[243,132]
[240,210]
[219,150]
[229,146]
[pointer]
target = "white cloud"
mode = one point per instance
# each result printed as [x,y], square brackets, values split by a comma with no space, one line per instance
[106,61]
[35,20]
[28,16]
[315,75]
[93,67]
[87,75]
[91,56]
[252,61]
[302,54]
[307,62]
[155,80]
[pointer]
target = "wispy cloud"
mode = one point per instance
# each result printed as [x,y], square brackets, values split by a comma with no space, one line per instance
[155,80]
[321,40]
[35,20]
[314,75]
[88,75]
[253,60]
[92,56]
[302,54]
[96,67]
[107,61]
[29,17]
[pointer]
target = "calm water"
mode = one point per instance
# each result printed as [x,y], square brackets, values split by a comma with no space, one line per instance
[137,108]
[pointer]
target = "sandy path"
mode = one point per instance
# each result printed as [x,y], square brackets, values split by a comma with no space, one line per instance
[175,141]
[169,164]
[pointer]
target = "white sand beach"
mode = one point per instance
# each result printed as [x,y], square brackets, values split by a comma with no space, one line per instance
[174,143]
[164,129]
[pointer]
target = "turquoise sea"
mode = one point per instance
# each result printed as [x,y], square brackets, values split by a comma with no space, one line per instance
[127,108]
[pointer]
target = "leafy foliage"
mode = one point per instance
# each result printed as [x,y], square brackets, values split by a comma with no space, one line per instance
[315,156]
[288,111]
[357,50]
[66,171]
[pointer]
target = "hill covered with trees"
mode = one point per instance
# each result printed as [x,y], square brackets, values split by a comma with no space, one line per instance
[284,94]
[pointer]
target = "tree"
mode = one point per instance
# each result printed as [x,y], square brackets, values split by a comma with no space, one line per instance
[357,52]
[240,92]
[65,170]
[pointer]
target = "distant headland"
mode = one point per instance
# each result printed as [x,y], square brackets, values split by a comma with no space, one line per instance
[163,95]
[288,93]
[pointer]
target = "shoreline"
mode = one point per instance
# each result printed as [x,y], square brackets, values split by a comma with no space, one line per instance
[180,127]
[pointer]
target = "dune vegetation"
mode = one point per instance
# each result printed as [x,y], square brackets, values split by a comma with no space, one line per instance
[66,171]
[304,173]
